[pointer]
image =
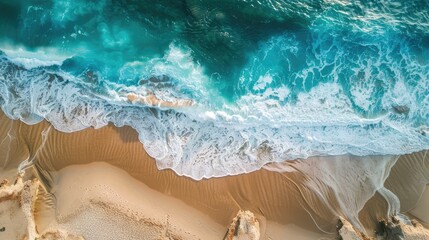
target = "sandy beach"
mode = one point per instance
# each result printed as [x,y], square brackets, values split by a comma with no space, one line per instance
[101,184]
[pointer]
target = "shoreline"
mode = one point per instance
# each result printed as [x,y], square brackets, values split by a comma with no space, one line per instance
[275,198]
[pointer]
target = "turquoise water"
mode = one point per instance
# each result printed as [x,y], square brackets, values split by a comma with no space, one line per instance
[269,80]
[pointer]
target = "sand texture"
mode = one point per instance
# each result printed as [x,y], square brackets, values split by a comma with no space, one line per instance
[101,184]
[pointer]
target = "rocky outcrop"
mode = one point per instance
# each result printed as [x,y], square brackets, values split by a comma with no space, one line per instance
[17,207]
[244,226]
[397,228]
[347,232]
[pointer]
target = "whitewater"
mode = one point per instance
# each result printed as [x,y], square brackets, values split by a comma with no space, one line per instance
[263,81]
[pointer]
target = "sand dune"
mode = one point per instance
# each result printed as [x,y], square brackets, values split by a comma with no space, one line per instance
[288,197]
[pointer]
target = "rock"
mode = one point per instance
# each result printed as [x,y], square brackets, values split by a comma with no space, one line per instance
[17,207]
[347,232]
[397,228]
[390,230]
[16,201]
[244,226]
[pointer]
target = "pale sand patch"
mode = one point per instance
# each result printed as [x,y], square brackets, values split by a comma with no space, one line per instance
[109,204]
[293,232]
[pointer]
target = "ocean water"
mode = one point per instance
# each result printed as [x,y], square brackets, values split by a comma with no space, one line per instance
[268,81]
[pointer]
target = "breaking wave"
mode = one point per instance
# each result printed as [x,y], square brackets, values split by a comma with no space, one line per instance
[215,91]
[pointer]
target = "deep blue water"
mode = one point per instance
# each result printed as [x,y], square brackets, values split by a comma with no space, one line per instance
[269,80]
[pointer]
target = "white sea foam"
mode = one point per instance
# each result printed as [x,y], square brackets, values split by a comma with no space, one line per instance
[214,138]
[262,82]
[43,57]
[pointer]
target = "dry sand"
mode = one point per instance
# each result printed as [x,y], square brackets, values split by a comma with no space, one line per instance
[101,184]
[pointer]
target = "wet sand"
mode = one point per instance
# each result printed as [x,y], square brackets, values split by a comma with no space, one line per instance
[98,182]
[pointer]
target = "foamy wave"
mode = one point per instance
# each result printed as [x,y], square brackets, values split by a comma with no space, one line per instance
[329,105]
[213,138]
[34,59]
